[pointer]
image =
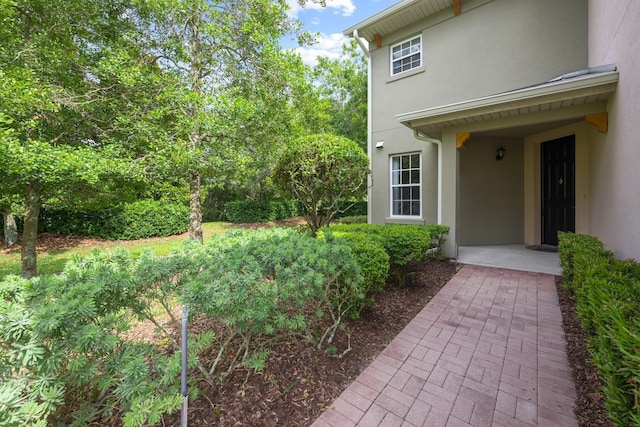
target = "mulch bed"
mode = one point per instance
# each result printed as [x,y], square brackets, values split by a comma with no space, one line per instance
[299,382]
[589,409]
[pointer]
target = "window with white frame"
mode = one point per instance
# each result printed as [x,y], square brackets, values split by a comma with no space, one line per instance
[406,185]
[406,55]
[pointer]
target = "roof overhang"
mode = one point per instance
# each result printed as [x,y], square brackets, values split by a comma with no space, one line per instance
[562,94]
[399,15]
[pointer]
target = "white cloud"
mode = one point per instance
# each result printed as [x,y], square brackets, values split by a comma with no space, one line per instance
[329,45]
[342,7]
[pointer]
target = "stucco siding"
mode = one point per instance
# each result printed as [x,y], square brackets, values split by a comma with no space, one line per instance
[490,48]
[614,38]
[491,195]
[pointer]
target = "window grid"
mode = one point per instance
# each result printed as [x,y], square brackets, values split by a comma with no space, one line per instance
[406,185]
[406,55]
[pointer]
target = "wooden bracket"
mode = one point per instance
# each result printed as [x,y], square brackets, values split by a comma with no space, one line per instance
[461,138]
[378,40]
[457,6]
[599,120]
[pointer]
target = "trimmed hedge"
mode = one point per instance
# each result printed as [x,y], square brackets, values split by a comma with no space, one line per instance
[403,243]
[243,211]
[137,220]
[607,293]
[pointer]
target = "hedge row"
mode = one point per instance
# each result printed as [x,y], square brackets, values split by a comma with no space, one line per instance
[141,219]
[607,293]
[402,243]
[243,211]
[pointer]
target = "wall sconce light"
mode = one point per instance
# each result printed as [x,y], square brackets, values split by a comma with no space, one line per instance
[379,144]
[500,153]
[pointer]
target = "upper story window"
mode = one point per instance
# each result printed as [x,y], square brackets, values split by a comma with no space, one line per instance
[406,185]
[406,55]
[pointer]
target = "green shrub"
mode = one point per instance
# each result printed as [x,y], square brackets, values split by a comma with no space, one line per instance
[244,211]
[321,171]
[607,293]
[369,253]
[62,341]
[273,281]
[359,219]
[403,243]
[137,220]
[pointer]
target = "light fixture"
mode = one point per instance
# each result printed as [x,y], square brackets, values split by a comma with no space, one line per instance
[500,153]
[379,144]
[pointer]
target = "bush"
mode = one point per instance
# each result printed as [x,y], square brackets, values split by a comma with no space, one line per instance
[360,219]
[244,211]
[321,172]
[62,341]
[259,275]
[369,253]
[607,293]
[403,243]
[137,220]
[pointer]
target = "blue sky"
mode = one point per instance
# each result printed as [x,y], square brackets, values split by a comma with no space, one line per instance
[330,21]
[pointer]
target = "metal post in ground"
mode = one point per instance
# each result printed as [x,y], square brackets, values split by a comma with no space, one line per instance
[184,387]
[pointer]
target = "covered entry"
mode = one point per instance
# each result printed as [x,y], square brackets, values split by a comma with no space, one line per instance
[541,184]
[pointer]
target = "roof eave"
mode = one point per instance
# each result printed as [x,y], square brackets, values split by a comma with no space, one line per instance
[555,91]
[383,14]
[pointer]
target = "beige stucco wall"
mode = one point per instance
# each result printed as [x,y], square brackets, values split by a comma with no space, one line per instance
[491,199]
[614,38]
[490,48]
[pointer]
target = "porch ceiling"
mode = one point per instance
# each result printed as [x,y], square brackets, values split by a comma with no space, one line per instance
[562,93]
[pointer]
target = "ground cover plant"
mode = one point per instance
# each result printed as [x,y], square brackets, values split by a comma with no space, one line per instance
[65,335]
[607,294]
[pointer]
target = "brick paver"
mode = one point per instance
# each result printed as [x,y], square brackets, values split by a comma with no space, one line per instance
[487,350]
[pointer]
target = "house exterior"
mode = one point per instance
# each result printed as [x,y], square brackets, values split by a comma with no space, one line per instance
[506,120]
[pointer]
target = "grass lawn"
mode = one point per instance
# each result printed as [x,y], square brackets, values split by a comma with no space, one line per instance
[52,260]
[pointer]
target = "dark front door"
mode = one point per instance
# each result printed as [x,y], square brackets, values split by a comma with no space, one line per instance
[558,188]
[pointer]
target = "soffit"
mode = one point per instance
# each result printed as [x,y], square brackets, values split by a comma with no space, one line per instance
[554,95]
[398,16]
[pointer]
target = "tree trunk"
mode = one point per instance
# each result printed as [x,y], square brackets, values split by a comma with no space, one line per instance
[195,211]
[10,229]
[30,231]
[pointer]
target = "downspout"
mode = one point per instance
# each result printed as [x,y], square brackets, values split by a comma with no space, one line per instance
[419,136]
[365,48]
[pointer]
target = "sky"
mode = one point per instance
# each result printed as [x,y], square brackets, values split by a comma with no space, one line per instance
[330,21]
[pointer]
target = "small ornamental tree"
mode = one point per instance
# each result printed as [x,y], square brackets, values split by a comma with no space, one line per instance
[321,171]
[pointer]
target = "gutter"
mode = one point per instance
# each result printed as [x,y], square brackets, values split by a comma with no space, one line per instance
[365,48]
[419,136]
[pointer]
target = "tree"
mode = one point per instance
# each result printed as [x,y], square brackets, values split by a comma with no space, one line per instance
[225,83]
[342,83]
[321,171]
[55,108]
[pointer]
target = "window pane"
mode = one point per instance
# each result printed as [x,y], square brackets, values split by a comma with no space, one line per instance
[396,208]
[415,208]
[395,178]
[405,162]
[405,177]
[415,161]
[415,192]
[396,193]
[415,176]
[395,163]
[406,208]
[406,193]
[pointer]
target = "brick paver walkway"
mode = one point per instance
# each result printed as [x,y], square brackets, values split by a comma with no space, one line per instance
[487,350]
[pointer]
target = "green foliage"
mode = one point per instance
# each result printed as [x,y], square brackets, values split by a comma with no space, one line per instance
[607,293]
[62,337]
[320,171]
[372,259]
[359,219]
[243,211]
[265,282]
[403,243]
[137,220]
